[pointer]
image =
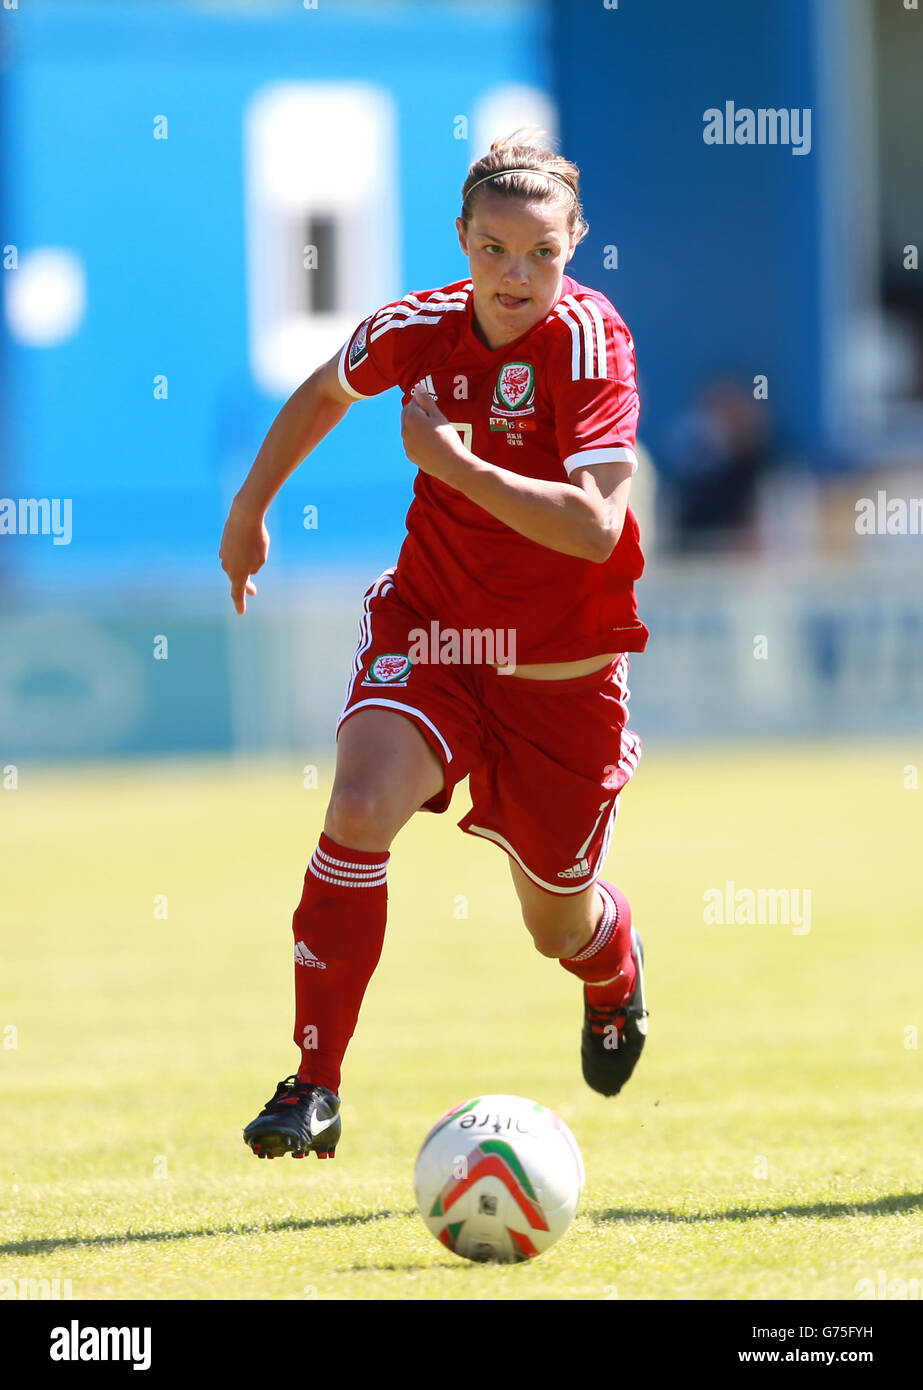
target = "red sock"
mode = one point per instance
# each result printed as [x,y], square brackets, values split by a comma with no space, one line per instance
[606,964]
[339,929]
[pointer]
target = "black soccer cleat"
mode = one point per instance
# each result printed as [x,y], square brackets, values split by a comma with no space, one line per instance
[614,1034]
[300,1119]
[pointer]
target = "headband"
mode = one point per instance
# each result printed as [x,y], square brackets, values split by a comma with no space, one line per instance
[546,173]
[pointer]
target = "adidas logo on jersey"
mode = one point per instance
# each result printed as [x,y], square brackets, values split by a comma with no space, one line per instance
[428,386]
[304,956]
[577,870]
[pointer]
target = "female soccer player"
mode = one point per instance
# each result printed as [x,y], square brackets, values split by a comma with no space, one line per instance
[497,645]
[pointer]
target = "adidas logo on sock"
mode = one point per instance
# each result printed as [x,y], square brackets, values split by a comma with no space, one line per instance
[305,956]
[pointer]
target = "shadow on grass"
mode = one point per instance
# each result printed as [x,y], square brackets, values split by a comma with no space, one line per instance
[45,1246]
[879,1206]
[408,1268]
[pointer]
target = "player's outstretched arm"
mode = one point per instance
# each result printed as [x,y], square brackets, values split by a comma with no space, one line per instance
[307,416]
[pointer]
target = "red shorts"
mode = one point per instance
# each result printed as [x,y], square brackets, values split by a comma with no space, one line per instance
[546,759]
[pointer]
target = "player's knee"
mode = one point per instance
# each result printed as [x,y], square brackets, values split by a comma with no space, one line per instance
[357,816]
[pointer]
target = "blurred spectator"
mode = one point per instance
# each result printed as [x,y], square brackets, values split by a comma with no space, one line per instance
[711,466]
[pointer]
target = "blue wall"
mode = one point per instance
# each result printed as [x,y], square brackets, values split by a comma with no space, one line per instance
[160,227]
[718,246]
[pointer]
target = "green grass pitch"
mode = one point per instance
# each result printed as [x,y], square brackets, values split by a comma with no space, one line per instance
[766,1147]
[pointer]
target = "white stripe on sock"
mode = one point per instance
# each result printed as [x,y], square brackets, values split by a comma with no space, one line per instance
[348,873]
[347,881]
[603,934]
[352,867]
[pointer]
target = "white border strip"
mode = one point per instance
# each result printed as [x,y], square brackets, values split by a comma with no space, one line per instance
[401,709]
[505,844]
[382,585]
[341,370]
[588,457]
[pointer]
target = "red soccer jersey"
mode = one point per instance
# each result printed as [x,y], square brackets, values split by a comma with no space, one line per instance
[561,396]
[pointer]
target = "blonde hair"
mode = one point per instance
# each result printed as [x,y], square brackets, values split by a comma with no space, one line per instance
[530,162]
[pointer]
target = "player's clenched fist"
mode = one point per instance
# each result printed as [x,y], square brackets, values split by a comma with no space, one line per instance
[244,550]
[429,440]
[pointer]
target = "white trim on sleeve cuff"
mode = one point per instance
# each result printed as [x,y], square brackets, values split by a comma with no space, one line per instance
[588,457]
[341,373]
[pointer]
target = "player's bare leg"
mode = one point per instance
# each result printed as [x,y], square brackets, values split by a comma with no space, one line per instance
[385,771]
[560,925]
[590,933]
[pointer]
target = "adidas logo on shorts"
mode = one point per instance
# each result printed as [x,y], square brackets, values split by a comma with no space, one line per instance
[304,956]
[577,870]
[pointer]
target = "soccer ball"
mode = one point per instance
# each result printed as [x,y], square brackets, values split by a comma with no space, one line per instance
[498,1178]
